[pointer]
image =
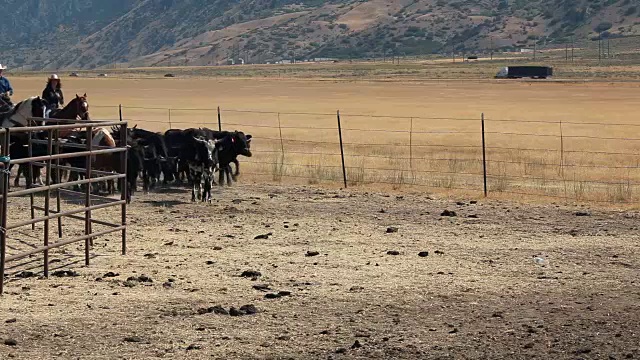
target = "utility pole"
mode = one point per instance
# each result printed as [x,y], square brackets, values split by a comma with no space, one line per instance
[491,48]
[566,52]
[453,53]
[572,47]
[535,44]
[600,48]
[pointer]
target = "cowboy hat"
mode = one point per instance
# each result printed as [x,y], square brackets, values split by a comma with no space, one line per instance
[2,67]
[54,77]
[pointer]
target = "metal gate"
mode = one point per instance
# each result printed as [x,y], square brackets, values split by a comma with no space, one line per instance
[48,135]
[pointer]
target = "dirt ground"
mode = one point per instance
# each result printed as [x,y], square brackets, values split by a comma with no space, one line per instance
[479,294]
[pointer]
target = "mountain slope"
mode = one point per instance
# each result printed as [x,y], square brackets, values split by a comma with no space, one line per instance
[94,33]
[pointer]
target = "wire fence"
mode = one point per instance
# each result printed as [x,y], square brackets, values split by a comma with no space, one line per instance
[572,160]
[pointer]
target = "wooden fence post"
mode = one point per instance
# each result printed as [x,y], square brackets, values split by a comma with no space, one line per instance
[344,170]
[484,159]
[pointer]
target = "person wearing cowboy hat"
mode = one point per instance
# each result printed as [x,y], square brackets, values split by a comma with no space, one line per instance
[5,90]
[52,93]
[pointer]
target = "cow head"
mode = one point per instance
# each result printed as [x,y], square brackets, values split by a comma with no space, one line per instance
[241,143]
[210,146]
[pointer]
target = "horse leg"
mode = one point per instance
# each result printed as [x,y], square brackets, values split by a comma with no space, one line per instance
[37,176]
[16,181]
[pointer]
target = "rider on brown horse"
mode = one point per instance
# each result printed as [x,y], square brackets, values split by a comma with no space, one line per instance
[53,94]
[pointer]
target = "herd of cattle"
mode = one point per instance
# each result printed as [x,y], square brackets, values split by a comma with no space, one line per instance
[193,155]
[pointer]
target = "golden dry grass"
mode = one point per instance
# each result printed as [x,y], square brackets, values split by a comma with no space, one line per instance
[440,119]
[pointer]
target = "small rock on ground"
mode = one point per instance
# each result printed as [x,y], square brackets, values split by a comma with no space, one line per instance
[251,274]
[65,273]
[312,253]
[393,252]
[10,342]
[392,229]
[423,254]
[249,309]
[449,213]
[133,339]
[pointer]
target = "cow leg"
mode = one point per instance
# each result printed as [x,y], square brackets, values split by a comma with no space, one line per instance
[194,184]
[145,181]
[237,172]
[229,174]
[220,175]
[206,196]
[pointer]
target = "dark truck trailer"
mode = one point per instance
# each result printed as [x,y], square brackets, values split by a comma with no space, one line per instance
[517,72]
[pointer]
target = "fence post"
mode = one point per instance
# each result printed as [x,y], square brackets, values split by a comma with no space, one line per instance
[124,188]
[411,147]
[4,182]
[47,202]
[484,158]
[30,173]
[280,168]
[120,111]
[87,196]
[562,159]
[170,127]
[58,181]
[220,119]
[344,170]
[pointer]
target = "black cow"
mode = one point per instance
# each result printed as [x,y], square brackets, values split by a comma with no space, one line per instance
[200,154]
[230,145]
[135,165]
[157,159]
[175,140]
[167,164]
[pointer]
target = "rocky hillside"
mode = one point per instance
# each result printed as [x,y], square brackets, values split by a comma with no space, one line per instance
[96,33]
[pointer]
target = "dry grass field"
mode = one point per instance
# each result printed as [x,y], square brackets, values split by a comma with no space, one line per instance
[479,293]
[425,134]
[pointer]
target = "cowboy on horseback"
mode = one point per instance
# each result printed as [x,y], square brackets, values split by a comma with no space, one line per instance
[5,92]
[52,93]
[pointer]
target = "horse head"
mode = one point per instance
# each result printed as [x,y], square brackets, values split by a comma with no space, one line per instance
[81,107]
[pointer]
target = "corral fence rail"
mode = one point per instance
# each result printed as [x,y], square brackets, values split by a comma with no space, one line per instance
[53,189]
[570,159]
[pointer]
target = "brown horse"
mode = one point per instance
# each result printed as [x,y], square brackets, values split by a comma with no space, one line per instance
[76,109]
